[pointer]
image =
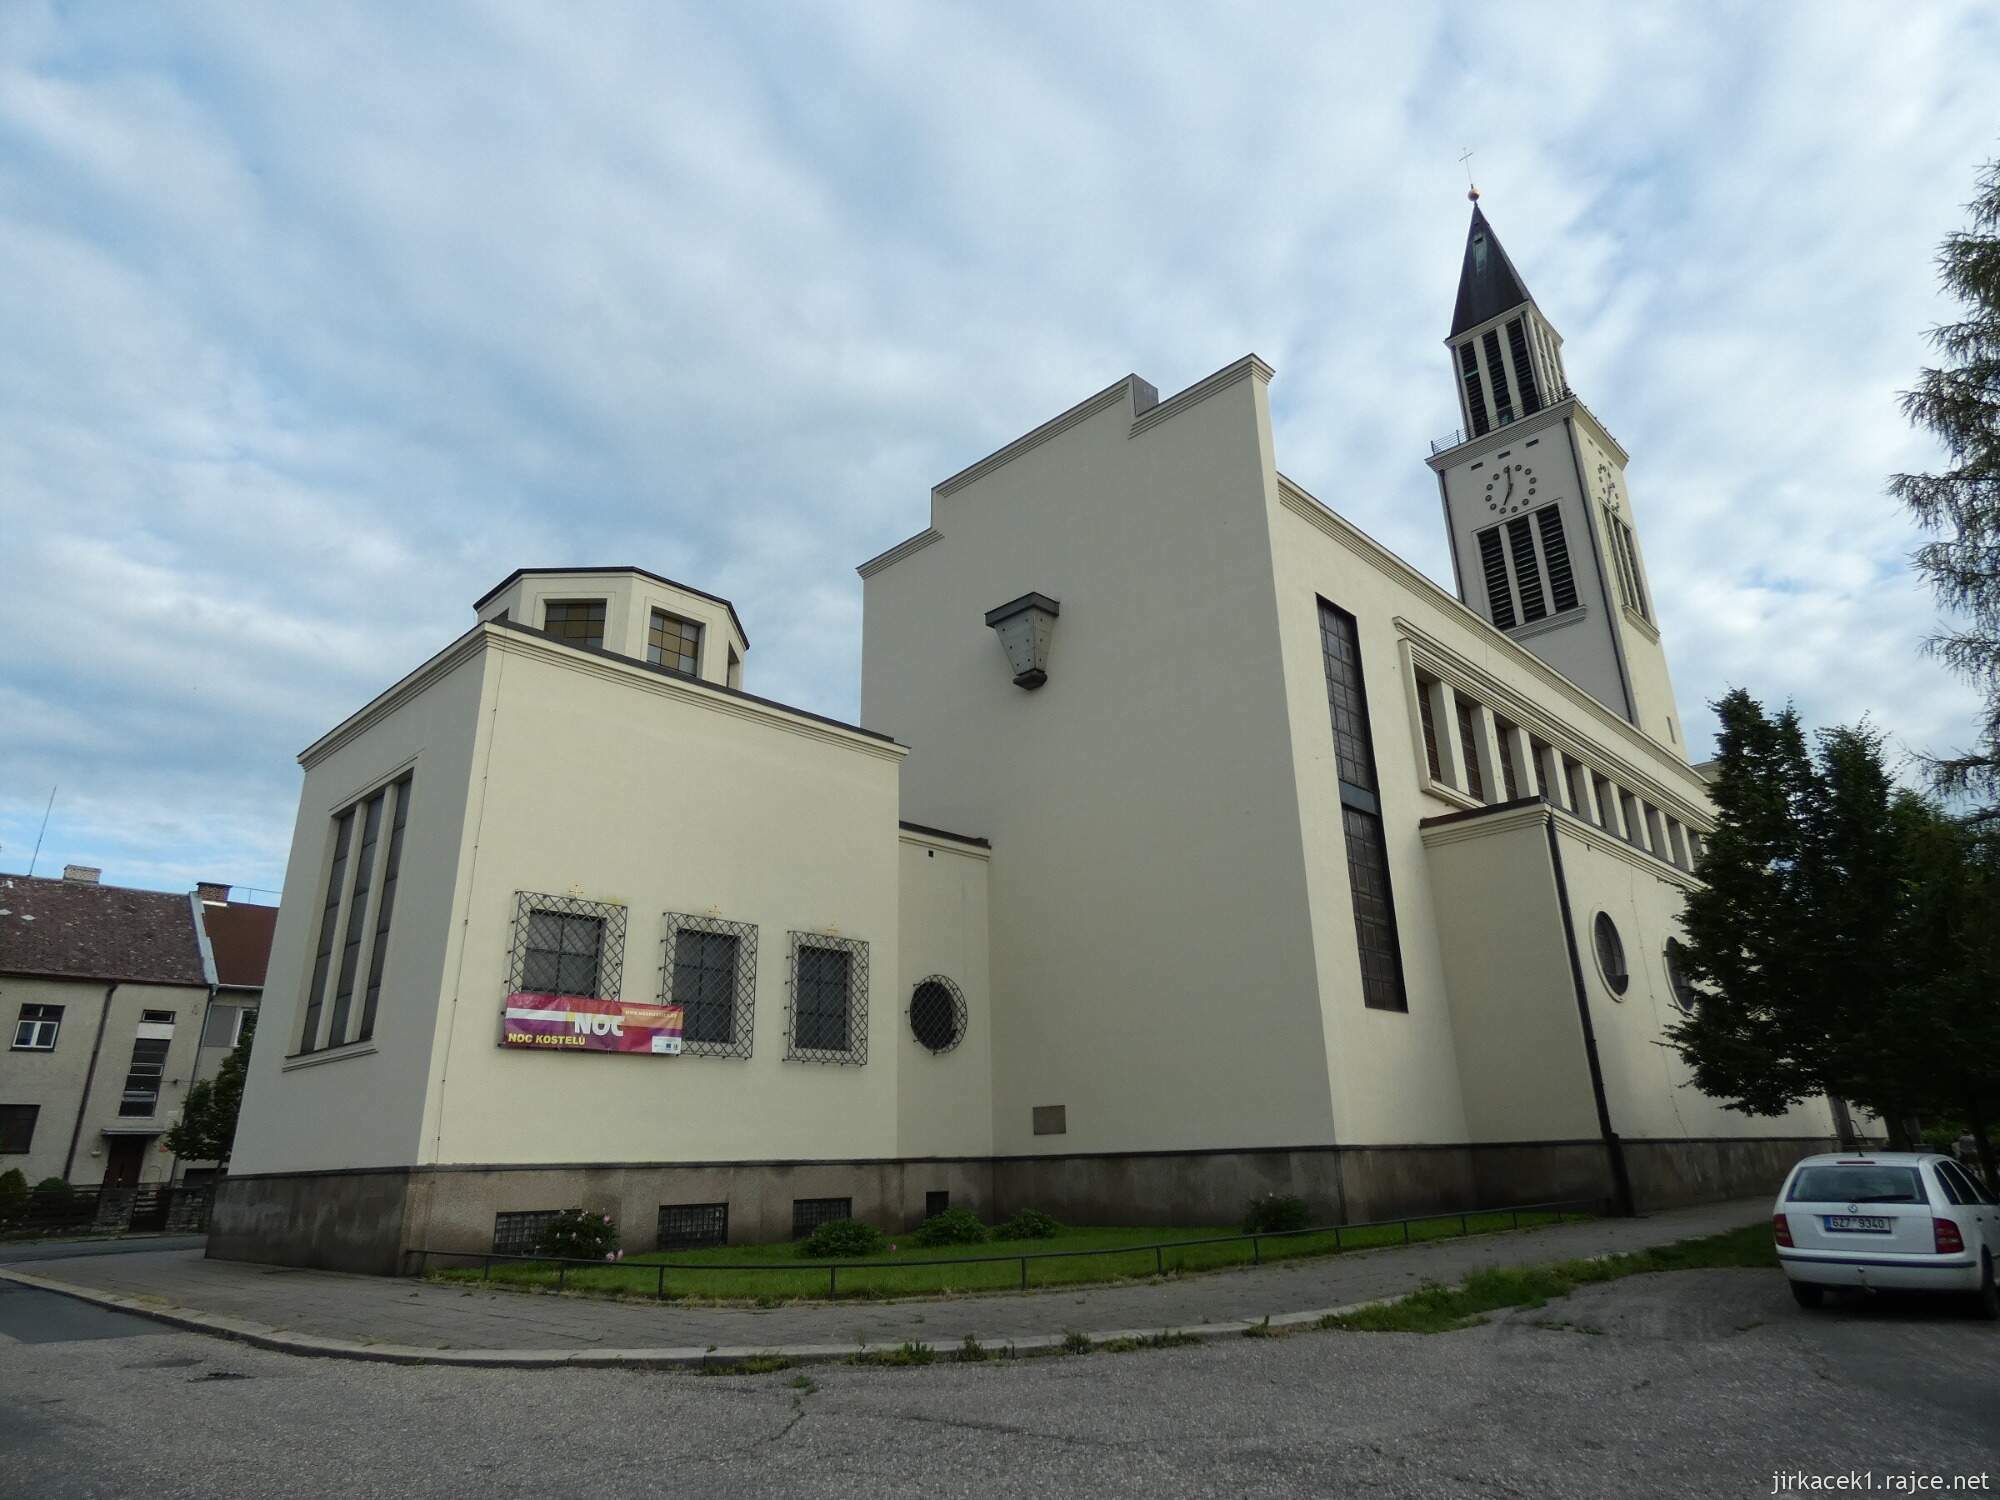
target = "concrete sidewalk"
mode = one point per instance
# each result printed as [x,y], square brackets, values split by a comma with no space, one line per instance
[366,1317]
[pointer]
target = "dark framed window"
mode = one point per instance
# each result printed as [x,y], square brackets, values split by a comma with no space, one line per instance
[935,1203]
[1475,392]
[1499,587]
[519,1233]
[577,621]
[692,1226]
[392,868]
[1625,553]
[357,917]
[329,929]
[1686,996]
[1496,375]
[710,972]
[346,963]
[1525,562]
[1610,953]
[1427,720]
[1050,1119]
[937,1013]
[829,1009]
[37,1027]
[17,1128]
[1469,743]
[1555,553]
[1361,813]
[809,1213]
[142,1080]
[1524,368]
[673,643]
[564,946]
[1509,735]
[223,1024]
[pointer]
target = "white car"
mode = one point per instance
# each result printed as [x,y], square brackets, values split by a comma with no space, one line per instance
[1892,1220]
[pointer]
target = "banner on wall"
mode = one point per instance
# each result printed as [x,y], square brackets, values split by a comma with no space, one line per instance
[578,1023]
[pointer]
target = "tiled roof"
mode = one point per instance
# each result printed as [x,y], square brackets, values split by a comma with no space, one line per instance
[239,935]
[85,931]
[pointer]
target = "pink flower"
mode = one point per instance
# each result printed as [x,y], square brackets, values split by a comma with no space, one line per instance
[607,1218]
[610,1255]
[892,1247]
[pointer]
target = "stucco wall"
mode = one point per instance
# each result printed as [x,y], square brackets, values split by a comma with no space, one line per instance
[944,1099]
[1152,966]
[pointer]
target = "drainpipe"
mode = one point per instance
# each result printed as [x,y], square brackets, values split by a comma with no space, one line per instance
[1614,1149]
[89,1074]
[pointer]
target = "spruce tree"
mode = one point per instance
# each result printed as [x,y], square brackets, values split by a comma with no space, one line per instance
[1959,402]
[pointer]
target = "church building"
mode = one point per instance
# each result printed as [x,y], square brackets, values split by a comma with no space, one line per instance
[1191,846]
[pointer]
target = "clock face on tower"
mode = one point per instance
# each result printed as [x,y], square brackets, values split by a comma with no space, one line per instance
[1511,489]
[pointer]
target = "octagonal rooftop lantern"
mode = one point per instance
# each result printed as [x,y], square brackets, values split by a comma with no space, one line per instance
[1025,626]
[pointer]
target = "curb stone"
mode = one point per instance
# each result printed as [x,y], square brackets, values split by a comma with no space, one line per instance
[263,1336]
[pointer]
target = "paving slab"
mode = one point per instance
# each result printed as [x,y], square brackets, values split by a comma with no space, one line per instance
[407,1321]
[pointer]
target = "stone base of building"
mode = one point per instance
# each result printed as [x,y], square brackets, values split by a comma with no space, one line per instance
[370,1221]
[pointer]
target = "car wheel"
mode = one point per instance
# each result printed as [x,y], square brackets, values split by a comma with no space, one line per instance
[1807,1295]
[1987,1299]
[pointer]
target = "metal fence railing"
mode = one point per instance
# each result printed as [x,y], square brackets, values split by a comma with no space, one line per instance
[162,1207]
[1579,1207]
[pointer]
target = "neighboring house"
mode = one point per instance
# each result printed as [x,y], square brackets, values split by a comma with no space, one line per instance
[238,935]
[1280,868]
[106,992]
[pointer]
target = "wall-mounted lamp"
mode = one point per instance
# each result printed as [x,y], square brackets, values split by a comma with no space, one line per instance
[1025,626]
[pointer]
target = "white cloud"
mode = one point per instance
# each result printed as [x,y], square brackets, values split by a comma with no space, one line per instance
[316,329]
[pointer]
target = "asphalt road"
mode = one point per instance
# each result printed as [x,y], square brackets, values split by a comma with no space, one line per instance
[138,1244]
[1701,1383]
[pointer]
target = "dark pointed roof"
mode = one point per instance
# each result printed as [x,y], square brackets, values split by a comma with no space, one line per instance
[1489,284]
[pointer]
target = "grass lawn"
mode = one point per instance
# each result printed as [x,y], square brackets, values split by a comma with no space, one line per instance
[1443,1309]
[1114,1255]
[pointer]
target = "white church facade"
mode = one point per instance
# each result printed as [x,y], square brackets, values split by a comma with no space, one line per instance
[1191,846]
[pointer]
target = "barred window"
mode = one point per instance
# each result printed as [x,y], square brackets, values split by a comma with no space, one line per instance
[519,1233]
[710,971]
[1361,813]
[566,946]
[809,1213]
[36,1028]
[692,1226]
[938,1013]
[578,621]
[829,1010]
[673,643]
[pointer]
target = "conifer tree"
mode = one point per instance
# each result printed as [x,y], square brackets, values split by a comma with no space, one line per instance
[206,1129]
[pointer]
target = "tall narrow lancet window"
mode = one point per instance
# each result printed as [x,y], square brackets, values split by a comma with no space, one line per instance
[1361,813]
[1475,393]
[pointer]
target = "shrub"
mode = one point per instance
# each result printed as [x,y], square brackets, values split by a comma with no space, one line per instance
[838,1239]
[52,1192]
[13,1186]
[1275,1213]
[576,1235]
[955,1226]
[1028,1224]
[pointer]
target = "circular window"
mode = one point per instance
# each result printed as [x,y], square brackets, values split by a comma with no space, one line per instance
[1685,994]
[1611,953]
[937,1013]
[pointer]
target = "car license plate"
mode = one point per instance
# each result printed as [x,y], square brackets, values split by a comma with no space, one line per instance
[1857,1223]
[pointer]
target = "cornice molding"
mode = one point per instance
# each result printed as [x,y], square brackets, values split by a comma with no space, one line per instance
[1201,390]
[901,550]
[1460,830]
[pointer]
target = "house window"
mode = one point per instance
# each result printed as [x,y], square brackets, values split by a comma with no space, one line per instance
[223,1025]
[829,1010]
[363,863]
[520,1233]
[563,946]
[673,643]
[17,1128]
[36,1029]
[935,1203]
[711,974]
[691,1226]
[1427,717]
[577,621]
[1610,953]
[938,1013]
[1470,746]
[149,1064]
[1361,813]
[809,1213]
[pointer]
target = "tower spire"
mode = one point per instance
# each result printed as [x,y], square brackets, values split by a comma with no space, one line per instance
[1488,285]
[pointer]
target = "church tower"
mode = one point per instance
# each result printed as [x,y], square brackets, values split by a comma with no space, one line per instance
[1544,539]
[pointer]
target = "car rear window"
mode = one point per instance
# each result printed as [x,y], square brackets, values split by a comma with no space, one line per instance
[1857,1184]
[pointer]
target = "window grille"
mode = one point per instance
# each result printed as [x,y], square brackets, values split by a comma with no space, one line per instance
[1610,953]
[1361,812]
[37,1027]
[17,1128]
[829,1011]
[673,643]
[710,971]
[938,1013]
[1499,592]
[1468,742]
[519,1233]
[692,1226]
[564,946]
[1521,542]
[809,1213]
[329,928]
[580,622]
[1555,552]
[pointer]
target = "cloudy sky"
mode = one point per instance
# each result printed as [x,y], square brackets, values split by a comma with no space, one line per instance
[316,320]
